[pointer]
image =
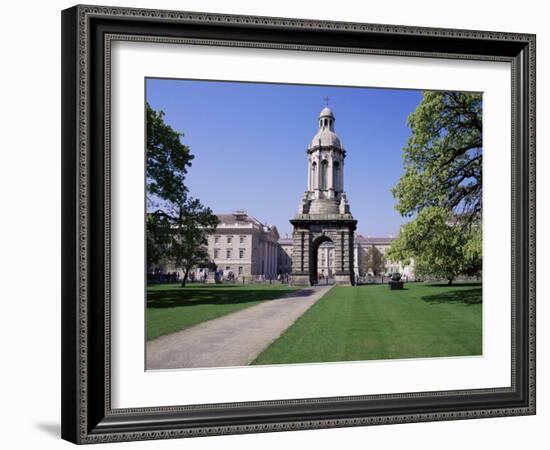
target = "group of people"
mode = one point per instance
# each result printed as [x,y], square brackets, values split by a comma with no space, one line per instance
[229,276]
[379,279]
[283,278]
[201,276]
[162,277]
[159,276]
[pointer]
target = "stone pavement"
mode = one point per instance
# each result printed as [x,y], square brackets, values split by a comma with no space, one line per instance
[235,339]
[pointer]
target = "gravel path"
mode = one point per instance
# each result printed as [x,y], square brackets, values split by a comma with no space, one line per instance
[232,340]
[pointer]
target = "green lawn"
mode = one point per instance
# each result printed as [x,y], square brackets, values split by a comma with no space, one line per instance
[172,308]
[372,322]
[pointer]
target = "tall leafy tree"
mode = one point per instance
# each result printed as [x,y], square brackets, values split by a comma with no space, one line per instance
[443,156]
[190,236]
[177,224]
[441,187]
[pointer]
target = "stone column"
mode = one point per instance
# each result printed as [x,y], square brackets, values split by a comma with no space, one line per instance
[266,268]
[271,271]
[343,255]
[315,179]
[300,258]
[330,176]
[341,189]
[319,175]
[275,259]
[309,187]
[336,238]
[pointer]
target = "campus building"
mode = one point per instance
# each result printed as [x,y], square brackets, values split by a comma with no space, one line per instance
[369,252]
[244,246]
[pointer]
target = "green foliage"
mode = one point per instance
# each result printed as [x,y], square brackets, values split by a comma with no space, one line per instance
[443,156]
[158,238]
[167,159]
[190,235]
[442,186]
[473,251]
[373,261]
[177,224]
[440,247]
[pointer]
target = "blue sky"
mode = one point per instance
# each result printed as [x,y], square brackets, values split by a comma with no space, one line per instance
[250,139]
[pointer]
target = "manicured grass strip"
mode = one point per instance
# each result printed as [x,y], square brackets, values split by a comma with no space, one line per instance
[172,308]
[372,322]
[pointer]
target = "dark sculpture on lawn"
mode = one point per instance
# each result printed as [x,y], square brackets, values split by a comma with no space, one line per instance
[395,281]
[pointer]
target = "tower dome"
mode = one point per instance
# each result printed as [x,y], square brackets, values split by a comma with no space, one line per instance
[325,136]
[326,112]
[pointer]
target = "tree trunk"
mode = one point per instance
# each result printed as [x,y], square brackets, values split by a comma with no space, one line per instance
[184,277]
[450,280]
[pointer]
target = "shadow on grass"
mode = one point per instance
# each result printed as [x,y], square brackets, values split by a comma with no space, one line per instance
[467,296]
[172,298]
[195,285]
[454,285]
[404,288]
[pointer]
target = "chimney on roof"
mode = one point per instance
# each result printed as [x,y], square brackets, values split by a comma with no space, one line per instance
[240,215]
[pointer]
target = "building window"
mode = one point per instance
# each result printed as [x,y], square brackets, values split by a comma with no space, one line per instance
[228,253]
[216,239]
[229,239]
[240,270]
[241,253]
[216,253]
[336,170]
[324,174]
[241,239]
[313,175]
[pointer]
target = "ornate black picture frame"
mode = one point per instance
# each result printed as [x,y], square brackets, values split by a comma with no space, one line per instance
[87,33]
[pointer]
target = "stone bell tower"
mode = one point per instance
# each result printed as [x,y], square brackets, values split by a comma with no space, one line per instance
[324,212]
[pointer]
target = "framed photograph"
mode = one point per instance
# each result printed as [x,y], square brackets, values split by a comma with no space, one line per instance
[278,224]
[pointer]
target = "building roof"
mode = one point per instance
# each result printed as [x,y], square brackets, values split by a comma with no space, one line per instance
[325,138]
[359,239]
[241,217]
[385,240]
[286,241]
[237,217]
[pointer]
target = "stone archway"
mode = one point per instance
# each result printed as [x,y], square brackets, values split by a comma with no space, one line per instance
[313,269]
[308,235]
